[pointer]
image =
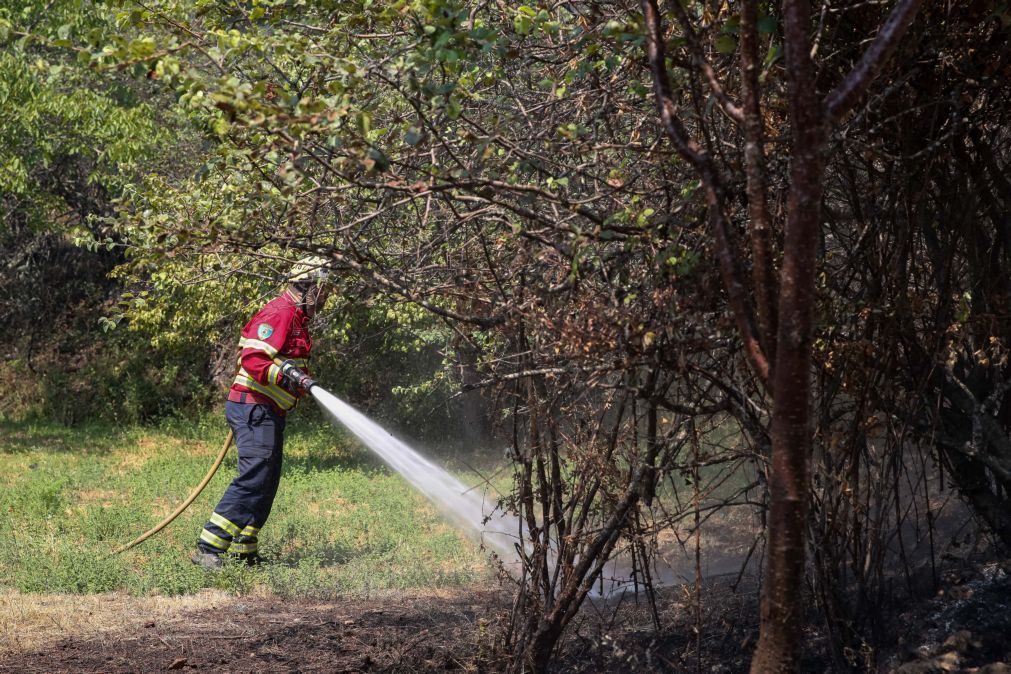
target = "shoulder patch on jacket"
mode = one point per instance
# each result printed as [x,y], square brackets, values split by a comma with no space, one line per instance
[264,331]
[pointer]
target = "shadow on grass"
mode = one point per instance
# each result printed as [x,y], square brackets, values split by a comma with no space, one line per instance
[40,436]
[329,555]
[362,462]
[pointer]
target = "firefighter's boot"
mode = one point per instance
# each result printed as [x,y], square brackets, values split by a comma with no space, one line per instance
[207,560]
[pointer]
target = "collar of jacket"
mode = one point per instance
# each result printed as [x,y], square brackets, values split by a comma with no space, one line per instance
[295,303]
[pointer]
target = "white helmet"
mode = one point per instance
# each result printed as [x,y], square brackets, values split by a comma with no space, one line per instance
[309,270]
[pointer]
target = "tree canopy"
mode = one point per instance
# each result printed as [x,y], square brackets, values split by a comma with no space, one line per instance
[634,228]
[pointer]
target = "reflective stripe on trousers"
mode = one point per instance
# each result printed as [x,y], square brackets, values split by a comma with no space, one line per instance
[236,521]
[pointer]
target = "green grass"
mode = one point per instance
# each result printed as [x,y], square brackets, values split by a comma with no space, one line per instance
[342,523]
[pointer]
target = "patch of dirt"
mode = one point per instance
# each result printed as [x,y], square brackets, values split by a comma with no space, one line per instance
[31,622]
[213,632]
[963,628]
[422,632]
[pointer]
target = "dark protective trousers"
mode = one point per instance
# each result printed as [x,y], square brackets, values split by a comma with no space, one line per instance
[235,524]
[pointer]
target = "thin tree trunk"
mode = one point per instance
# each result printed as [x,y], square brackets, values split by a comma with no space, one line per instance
[786,344]
[764,262]
[782,602]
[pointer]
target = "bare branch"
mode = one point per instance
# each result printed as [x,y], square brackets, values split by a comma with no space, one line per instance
[405,292]
[732,109]
[702,162]
[842,99]
[764,265]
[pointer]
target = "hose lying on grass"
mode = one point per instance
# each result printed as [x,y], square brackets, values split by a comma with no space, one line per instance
[185,504]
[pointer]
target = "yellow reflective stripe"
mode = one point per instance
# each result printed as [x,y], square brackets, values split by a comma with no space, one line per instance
[284,395]
[273,374]
[218,542]
[230,527]
[243,548]
[250,530]
[247,343]
[283,399]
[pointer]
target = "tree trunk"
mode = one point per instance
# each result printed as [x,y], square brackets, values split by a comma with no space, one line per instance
[782,603]
[982,493]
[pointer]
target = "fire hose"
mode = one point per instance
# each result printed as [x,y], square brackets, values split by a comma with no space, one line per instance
[288,370]
[185,504]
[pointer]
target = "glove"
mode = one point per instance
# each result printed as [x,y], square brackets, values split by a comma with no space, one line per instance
[295,378]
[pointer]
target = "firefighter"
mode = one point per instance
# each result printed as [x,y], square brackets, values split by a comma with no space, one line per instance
[260,397]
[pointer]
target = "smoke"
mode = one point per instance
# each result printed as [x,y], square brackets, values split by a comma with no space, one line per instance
[501,532]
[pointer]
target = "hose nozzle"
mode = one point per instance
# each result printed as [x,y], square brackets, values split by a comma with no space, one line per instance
[296,377]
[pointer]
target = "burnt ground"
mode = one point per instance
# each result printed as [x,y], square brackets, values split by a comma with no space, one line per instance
[964,627]
[246,634]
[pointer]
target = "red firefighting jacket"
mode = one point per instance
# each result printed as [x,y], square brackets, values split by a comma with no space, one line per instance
[278,330]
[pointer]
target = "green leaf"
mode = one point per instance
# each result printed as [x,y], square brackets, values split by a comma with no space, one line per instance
[413,136]
[364,122]
[726,44]
[774,54]
[767,24]
[522,24]
[220,126]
